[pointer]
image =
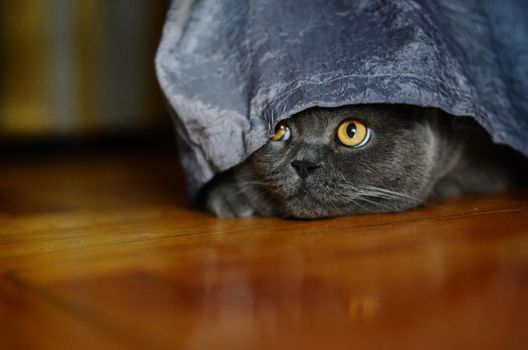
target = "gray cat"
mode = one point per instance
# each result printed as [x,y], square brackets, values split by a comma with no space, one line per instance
[329,162]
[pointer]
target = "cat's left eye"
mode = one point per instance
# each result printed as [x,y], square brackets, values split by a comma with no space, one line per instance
[353,133]
[282,133]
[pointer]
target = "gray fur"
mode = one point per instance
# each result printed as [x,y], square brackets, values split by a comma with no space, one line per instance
[414,155]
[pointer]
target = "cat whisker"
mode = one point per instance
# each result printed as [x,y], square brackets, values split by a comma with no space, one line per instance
[382,193]
[368,196]
[393,194]
[376,204]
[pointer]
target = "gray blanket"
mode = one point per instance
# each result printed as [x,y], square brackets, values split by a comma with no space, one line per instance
[232,69]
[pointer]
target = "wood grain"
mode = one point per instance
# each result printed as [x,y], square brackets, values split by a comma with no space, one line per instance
[101,251]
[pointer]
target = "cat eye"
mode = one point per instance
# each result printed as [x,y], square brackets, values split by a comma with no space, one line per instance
[282,133]
[352,133]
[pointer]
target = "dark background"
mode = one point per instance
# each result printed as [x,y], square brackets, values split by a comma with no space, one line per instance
[79,75]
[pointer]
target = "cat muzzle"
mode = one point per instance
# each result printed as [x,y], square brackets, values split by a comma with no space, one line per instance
[304,168]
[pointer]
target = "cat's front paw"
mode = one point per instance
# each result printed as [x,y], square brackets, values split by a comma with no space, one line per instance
[226,200]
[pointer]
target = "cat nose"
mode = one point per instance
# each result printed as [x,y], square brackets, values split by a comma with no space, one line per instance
[304,167]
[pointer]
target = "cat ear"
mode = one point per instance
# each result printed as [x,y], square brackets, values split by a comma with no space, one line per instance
[408,110]
[463,123]
[459,123]
[433,113]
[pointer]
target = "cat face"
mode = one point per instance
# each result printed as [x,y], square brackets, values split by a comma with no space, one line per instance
[357,159]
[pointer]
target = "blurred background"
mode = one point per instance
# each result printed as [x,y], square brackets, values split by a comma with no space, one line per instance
[79,69]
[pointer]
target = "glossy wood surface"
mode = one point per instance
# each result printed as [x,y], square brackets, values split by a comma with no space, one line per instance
[101,251]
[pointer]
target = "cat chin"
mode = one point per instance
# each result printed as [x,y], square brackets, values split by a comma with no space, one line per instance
[302,213]
[301,201]
[305,206]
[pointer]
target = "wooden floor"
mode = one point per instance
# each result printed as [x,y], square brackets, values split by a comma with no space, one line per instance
[101,251]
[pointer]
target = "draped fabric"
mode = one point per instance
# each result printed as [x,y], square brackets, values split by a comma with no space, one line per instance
[232,69]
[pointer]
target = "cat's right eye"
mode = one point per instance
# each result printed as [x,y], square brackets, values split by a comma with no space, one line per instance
[282,133]
[353,133]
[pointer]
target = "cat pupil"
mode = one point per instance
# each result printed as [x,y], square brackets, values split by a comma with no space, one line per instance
[351,130]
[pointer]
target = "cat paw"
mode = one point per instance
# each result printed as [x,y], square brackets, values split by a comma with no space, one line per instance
[227,202]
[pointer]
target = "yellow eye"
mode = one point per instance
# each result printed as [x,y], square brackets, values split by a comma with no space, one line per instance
[352,133]
[282,133]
